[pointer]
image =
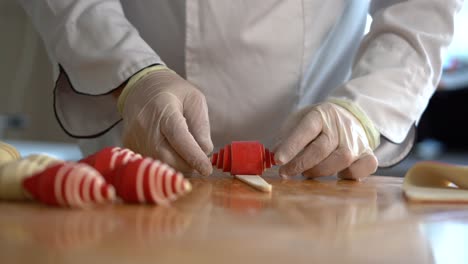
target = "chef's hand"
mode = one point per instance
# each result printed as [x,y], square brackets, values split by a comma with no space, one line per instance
[166,117]
[328,138]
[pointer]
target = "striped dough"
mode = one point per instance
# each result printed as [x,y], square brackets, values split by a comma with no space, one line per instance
[70,184]
[149,181]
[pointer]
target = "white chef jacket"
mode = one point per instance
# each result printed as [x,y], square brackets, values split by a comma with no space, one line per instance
[255,61]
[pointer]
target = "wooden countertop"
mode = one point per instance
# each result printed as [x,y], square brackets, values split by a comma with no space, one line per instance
[226,221]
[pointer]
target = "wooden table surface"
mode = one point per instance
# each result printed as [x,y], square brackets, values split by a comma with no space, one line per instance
[225,221]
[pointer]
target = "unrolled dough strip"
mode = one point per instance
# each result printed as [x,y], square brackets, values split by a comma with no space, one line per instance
[256,182]
[434,181]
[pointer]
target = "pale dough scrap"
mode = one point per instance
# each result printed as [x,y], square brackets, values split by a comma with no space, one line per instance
[255,181]
[8,153]
[433,181]
[42,160]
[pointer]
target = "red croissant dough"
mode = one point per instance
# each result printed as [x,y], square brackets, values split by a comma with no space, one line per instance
[243,158]
[69,184]
[96,179]
[149,181]
[108,159]
[138,180]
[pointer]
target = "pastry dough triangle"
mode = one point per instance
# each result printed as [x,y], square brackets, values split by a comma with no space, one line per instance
[255,181]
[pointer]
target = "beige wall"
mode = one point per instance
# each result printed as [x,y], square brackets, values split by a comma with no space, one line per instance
[26,77]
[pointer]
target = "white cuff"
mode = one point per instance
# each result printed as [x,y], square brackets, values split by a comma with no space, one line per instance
[389,153]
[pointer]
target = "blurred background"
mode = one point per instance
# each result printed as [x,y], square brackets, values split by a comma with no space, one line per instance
[27,118]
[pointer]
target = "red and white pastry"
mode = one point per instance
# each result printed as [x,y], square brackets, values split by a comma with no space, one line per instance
[69,184]
[108,159]
[149,181]
[243,158]
[246,160]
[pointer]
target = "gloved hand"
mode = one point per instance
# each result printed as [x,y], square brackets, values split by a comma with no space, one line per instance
[328,138]
[166,117]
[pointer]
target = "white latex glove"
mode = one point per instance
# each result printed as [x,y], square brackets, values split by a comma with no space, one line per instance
[166,117]
[326,139]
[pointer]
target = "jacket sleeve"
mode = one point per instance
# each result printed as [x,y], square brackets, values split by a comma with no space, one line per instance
[97,49]
[398,67]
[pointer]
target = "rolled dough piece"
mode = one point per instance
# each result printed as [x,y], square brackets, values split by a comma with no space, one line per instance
[12,175]
[256,182]
[437,182]
[8,153]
